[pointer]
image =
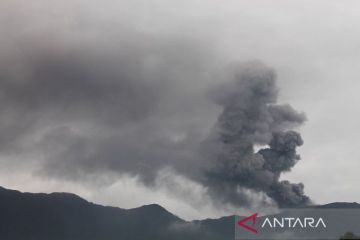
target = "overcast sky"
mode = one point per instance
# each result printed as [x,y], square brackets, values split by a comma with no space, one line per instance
[68,135]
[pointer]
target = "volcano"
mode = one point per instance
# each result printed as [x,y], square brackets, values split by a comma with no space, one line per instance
[66,216]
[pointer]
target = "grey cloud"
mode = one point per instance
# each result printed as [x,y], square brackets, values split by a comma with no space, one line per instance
[127,101]
[67,90]
[103,106]
[251,117]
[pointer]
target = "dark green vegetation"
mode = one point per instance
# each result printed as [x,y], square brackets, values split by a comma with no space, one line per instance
[349,235]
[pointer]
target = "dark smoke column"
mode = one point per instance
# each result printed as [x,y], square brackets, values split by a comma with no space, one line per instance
[251,117]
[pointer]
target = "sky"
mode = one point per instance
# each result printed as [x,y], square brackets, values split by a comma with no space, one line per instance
[84,84]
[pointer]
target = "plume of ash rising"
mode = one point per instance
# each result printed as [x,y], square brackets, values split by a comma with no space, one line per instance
[251,117]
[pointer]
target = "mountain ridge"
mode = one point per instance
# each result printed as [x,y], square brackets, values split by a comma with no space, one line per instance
[66,216]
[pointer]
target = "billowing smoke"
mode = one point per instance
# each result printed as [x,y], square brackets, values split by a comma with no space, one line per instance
[251,118]
[87,96]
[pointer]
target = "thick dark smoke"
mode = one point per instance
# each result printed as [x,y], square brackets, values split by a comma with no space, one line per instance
[251,118]
[83,96]
[91,117]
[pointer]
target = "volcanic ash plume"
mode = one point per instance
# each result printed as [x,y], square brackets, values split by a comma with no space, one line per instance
[251,119]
